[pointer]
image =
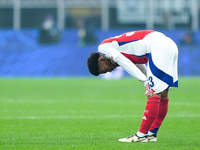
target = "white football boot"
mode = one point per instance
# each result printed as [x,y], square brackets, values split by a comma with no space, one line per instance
[152,138]
[134,138]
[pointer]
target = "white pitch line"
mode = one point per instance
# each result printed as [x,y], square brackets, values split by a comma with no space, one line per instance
[118,102]
[90,117]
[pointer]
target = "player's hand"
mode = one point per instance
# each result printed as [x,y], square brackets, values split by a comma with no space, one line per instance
[148,92]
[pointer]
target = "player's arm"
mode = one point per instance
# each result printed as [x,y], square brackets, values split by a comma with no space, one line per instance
[143,68]
[111,53]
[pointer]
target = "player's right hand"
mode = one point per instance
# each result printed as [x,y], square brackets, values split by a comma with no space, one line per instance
[148,92]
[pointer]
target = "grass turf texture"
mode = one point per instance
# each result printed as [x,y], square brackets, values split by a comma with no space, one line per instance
[92,114]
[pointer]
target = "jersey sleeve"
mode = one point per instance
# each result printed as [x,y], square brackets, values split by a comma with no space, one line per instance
[108,51]
[111,53]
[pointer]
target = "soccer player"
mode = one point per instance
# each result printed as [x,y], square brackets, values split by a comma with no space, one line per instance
[150,57]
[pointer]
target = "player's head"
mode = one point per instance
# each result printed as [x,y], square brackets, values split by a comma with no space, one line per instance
[98,64]
[92,63]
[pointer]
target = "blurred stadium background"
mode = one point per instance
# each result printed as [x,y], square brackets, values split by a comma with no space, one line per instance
[53,38]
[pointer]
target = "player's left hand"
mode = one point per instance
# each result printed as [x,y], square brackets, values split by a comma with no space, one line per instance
[148,92]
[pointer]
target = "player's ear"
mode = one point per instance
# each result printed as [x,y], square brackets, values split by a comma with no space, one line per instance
[101,58]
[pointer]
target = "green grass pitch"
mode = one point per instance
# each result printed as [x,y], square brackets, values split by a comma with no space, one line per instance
[92,114]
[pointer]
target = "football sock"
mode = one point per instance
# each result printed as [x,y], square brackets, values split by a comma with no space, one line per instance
[150,113]
[163,108]
[155,130]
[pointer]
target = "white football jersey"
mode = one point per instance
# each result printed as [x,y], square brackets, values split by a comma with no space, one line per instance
[134,49]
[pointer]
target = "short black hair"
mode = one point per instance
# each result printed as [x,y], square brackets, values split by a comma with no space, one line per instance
[92,63]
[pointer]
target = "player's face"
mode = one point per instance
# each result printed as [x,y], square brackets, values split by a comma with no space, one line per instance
[105,65]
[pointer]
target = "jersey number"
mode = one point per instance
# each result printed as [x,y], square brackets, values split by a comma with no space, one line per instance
[151,82]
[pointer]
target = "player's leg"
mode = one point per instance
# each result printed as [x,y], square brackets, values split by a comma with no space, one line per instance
[150,113]
[163,108]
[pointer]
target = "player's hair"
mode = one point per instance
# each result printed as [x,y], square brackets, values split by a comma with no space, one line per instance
[92,63]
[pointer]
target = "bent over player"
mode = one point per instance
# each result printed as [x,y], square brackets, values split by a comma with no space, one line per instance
[132,51]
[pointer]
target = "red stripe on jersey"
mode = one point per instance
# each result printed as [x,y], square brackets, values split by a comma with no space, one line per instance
[136,59]
[129,36]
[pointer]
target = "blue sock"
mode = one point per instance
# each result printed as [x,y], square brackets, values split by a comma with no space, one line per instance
[154,130]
